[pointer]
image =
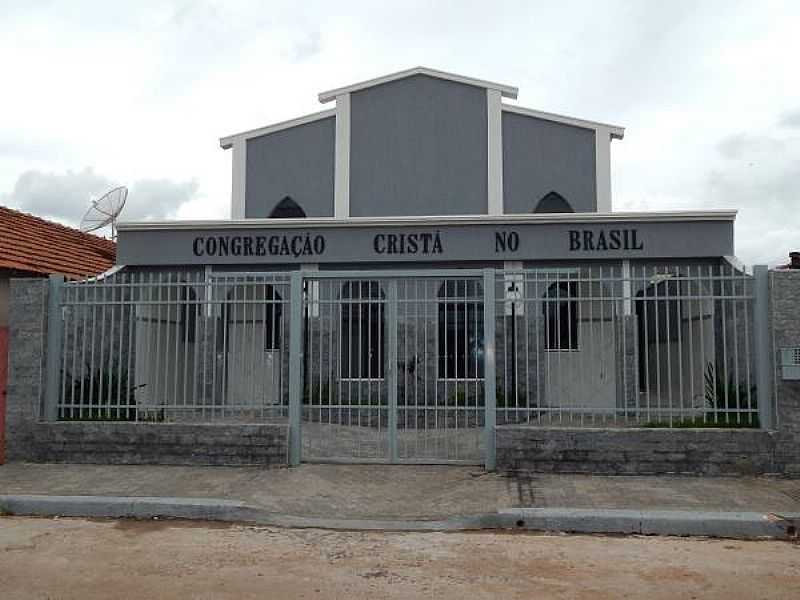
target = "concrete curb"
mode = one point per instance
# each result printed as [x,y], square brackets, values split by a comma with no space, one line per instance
[738,525]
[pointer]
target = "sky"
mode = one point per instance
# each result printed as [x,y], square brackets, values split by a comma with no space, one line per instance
[97,94]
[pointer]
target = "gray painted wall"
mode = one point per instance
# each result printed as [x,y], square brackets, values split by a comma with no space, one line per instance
[296,162]
[418,147]
[542,156]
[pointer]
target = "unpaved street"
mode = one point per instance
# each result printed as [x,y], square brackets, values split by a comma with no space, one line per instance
[72,558]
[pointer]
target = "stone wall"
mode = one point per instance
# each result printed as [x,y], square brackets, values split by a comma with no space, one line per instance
[636,451]
[785,307]
[160,443]
[27,336]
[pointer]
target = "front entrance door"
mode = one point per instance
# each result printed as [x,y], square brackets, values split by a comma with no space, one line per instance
[393,369]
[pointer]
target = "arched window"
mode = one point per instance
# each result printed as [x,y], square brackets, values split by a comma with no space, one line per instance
[362,306]
[560,309]
[460,340]
[553,202]
[287,209]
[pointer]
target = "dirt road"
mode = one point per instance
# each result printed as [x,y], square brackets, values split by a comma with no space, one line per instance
[72,558]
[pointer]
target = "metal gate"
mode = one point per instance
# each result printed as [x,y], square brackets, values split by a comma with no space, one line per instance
[393,367]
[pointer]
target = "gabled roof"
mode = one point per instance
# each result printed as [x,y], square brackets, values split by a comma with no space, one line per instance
[616,132]
[29,243]
[506,90]
[227,141]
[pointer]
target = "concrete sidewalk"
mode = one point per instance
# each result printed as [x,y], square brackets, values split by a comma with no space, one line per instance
[375,496]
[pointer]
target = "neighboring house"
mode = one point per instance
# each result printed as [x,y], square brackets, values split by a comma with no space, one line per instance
[33,247]
[794,261]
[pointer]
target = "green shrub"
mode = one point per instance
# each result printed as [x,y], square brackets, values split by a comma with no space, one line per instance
[103,393]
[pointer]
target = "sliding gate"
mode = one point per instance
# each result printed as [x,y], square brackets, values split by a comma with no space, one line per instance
[393,367]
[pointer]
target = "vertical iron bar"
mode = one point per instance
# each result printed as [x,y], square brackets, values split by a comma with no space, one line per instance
[490,391]
[295,365]
[391,368]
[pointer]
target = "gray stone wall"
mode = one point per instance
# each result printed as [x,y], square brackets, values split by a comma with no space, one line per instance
[785,307]
[637,451]
[159,443]
[26,343]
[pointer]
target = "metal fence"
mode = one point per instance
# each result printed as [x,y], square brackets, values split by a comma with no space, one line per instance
[414,366]
[660,346]
[173,347]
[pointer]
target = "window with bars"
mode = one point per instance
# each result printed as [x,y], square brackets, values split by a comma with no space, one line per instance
[560,309]
[460,330]
[362,330]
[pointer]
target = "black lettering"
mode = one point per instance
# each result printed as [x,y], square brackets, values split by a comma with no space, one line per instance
[211,246]
[601,241]
[426,239]
[500,241]
[574,240]
[392,243]
[197,246]
[437,244]
[236,245]
[307,250]
[637,245]
[413,246]
[261,249]
[378,244]
[588,240]
[614,241]
[297,245]
[224,247]
[273,245]
[285,251]
[319,244]
[248,246]
[513,241]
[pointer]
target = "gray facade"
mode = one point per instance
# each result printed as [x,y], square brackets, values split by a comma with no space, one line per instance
[543,156]
[418,147]
[296,162]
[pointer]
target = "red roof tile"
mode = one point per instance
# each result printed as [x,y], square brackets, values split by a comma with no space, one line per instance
[28,243]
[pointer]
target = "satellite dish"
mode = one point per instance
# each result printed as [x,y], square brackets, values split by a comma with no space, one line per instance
[104,211]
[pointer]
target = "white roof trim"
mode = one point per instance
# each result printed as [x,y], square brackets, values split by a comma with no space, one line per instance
[615,131]
[616,217]
[227,142]
[506,90]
